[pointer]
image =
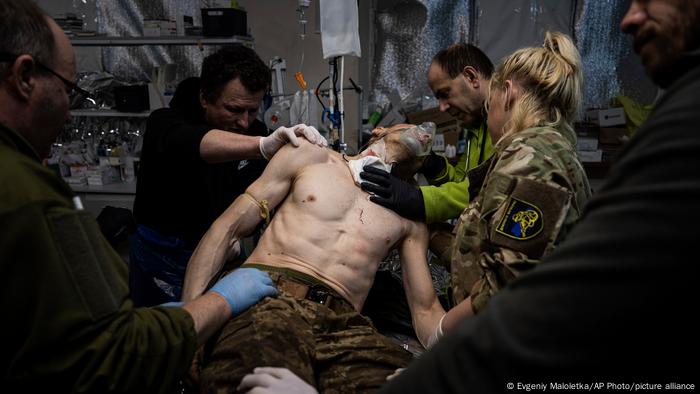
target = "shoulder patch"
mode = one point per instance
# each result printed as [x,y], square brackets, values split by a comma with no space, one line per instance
[530,218]
[522,220]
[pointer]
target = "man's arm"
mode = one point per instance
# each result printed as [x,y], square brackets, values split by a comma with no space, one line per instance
[429,318]
[426,310]
[169,134]
[220,243]
[209,312]
[220,146]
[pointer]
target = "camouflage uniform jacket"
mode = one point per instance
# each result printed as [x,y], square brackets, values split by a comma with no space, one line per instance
[534,192]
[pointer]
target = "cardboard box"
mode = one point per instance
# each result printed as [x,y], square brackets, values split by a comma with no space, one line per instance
[168,28]
[430,115]
[151,28]
[586,143]
[606,117]
[78,171]
[450,126]
[452,137]
[590,156]
[159,27]
[444,122]
[612,135]
[103,175]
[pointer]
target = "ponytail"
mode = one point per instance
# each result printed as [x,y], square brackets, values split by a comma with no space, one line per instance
[551,81]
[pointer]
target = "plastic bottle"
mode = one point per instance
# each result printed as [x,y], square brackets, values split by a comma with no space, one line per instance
[450,151]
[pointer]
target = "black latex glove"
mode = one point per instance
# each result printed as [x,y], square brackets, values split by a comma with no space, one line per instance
[433,165]
[393,193]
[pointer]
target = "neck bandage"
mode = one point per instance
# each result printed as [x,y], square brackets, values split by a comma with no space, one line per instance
[356,166]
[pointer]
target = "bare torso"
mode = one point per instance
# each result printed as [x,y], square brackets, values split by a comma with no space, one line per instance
[327,227]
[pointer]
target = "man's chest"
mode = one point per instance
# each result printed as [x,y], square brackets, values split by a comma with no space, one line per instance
[328,193]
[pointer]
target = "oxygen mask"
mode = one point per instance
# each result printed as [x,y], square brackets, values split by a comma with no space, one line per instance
[419,139]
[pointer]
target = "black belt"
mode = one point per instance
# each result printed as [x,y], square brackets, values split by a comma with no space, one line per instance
[303,291]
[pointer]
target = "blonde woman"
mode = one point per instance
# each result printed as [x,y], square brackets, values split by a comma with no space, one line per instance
[535,188]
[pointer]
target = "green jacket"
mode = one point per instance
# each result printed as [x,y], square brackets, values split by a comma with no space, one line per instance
[69,325]
[448,194]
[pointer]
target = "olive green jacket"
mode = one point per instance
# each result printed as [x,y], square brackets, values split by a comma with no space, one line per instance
[69,325]
[449,193]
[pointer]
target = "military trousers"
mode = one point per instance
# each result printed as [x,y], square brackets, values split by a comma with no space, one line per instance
[332,347]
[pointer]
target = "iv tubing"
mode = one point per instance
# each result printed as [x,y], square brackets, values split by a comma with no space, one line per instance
[331,95]
[341,109]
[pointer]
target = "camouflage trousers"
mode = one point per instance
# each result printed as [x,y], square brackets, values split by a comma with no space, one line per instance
[334,348]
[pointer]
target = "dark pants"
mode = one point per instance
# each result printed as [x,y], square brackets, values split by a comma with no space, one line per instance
[157,265]
[333,348]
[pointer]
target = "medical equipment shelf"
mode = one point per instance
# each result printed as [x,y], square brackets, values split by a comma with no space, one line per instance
[109,112]
[145,40]
[161,40]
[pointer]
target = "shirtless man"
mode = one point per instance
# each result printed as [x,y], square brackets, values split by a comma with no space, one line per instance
[322,249]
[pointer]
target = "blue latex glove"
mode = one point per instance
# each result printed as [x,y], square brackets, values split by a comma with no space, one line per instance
[244,287]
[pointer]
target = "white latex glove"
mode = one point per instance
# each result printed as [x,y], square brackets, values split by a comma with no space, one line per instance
[395,374]
[272,143]
[436,335]
[269,380]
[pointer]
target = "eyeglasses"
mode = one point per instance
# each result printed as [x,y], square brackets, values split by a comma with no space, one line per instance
[76,94]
